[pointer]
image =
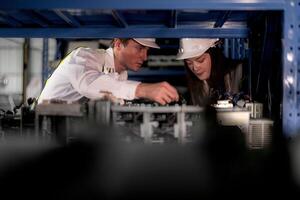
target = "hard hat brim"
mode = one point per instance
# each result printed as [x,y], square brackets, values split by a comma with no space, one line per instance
[147,43]
[187,55]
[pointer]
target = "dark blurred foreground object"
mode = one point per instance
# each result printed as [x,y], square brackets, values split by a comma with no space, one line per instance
[108,169]
[99,166]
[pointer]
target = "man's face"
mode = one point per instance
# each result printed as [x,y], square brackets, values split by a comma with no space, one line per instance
[133,55]
[200,66]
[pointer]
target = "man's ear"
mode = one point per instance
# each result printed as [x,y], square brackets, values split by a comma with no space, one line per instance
[118,43]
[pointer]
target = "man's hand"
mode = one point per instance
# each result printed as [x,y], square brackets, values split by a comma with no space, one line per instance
[162,92]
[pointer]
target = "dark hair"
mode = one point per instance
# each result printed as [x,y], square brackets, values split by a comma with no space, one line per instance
[123,41]
[215,81]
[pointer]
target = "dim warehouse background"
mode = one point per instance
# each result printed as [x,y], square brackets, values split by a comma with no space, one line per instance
[143,150]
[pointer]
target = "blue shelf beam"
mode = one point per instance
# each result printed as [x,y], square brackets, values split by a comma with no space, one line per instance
[222,19]
[118,16]
[123,32]
[9,20]
[173,21]
[36,18]
[69,19]
[146,4]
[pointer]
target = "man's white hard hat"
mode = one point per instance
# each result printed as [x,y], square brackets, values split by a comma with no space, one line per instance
[194,47]
[148,42]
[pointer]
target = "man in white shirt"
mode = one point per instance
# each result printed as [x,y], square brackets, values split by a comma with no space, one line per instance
[93,73]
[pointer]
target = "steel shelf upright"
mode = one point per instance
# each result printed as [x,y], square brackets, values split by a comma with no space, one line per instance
[291,69]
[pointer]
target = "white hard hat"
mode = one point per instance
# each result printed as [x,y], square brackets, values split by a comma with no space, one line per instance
[193,47]
[148,42]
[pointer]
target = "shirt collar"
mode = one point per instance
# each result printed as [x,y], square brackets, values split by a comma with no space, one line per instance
[109,59]
[110,63]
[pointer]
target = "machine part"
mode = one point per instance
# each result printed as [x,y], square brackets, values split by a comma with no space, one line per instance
[6,102]
[108,96]
[157,109]
[223,104]
[260,133]
[58,120]
[182,130]
[234,117]
[75,109]
[150,124]
[256,110]
[46,128]
[3,81]
[2,133]
[158,124]
[147,128]
[102,112]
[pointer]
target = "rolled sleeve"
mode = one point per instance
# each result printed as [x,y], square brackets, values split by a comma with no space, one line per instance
[127,89]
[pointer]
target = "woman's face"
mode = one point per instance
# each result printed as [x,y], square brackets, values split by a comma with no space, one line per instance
[200,66]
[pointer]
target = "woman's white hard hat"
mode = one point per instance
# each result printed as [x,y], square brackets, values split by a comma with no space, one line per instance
[194,47]
[148,42]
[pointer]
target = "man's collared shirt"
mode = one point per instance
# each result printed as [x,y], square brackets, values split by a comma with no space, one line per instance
[88,73]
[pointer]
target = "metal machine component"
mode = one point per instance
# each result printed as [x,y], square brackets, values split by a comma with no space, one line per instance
[3,81]
[260,133]
[223,104]
[148,123]
[234,117]
[6,102]
[99,111]
[256,110]
[56,120]
[159,124]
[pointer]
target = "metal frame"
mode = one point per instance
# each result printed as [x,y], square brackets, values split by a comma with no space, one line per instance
[146,128]
[123,32]
[45,69]
[146,4]
[291,71]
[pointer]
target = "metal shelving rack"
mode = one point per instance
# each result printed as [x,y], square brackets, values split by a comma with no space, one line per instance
[163,19]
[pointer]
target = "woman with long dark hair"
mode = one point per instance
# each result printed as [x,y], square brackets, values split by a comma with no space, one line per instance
[210,74]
